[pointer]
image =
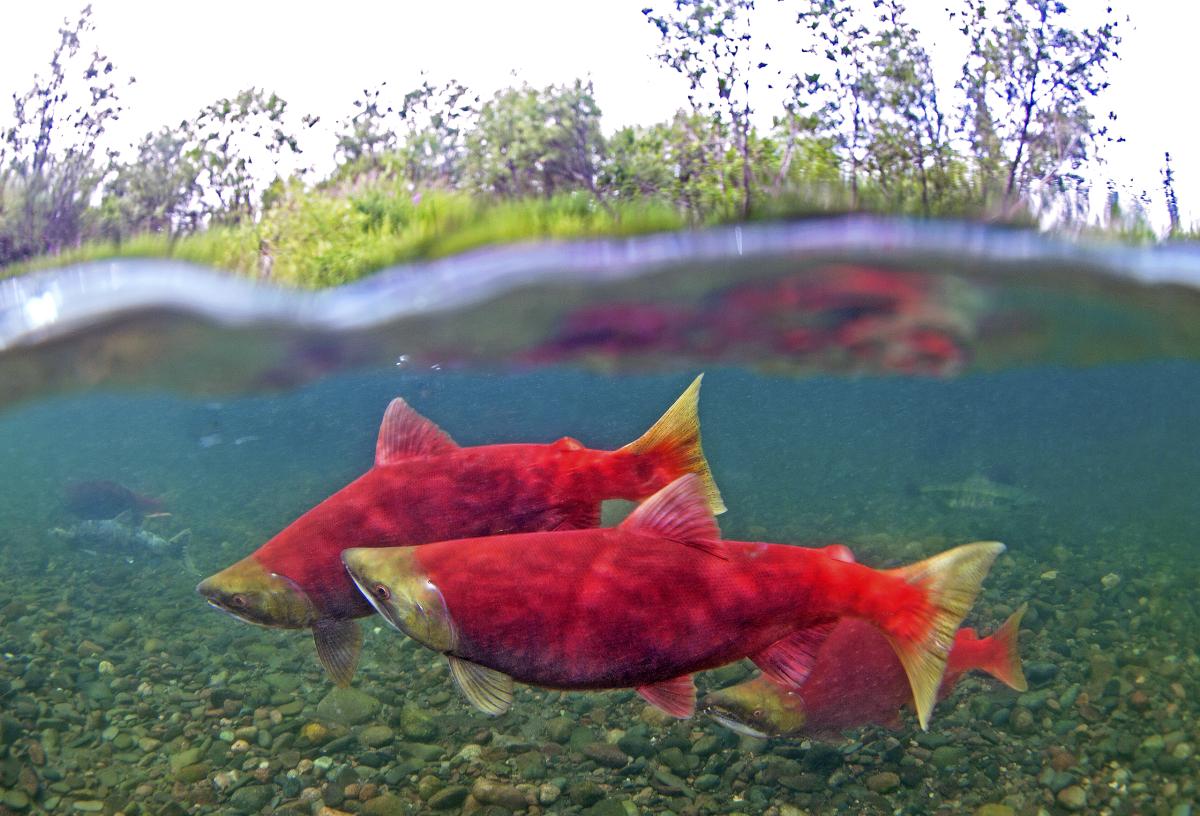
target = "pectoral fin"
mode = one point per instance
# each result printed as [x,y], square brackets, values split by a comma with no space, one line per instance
[676,696]
[339,644]
[790,660]
[487,689]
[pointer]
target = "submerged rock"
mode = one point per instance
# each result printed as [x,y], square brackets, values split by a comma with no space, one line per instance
[348,706]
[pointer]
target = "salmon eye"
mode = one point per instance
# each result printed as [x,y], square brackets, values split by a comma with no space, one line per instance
[239,600]
[757,713]
[381,592]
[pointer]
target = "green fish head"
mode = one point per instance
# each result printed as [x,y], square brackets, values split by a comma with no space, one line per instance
[250,593]
[393,581]
[757,708]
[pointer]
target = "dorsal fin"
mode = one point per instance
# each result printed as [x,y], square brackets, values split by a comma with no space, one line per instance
[839,552]
[679,512]
[568,443]
[405,433]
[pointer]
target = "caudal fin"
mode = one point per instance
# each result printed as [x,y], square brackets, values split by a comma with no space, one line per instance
[675,440]
[951,582]
[1004,654]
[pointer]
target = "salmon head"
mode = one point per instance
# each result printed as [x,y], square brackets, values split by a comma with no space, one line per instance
[250,593]
[757,708]
[396,585]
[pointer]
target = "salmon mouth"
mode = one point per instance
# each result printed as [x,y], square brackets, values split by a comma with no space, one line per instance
[734,723]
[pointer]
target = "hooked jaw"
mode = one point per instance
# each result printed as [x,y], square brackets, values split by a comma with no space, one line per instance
[250,593]
[393,582]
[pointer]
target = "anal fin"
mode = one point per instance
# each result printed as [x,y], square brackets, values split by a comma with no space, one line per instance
[676,696]
[339,645]
[789,661]
[487,689]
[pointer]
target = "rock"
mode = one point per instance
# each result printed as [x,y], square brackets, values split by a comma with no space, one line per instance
[606,754]
[118,629]
[584,793]
[673,758]
[1072,798]
[420,750]
[388,804]
[548,793]
[10,729]
[348,706]
[285,683]
[375,736]
[448,798]
[15,800]
[193,773]
[636,745]
[607,807]
[416,725]
[708,782]
[1039,674]
[251,798]
[1021,720]
[883,782]
[947,756]
[559,729]
[994,810]
[184,758]
[89,806]
[491,792]
[530,765]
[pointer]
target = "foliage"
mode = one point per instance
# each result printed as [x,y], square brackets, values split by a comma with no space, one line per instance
[1026,83]
[536,142]
[433,170]
[48,170]
[709,42]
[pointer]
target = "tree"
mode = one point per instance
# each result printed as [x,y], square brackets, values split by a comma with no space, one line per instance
[48,171]
[709,42]
[536,143]
[225,141]
[156,192]
[1027,81]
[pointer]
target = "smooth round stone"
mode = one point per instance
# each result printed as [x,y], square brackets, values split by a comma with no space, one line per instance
[89,806]
[15,800]
[947,756]
[1072,798]
[251,798]
[883,782]
[606,754]
[448,798]
[994,810]
[375,736]
[388,804]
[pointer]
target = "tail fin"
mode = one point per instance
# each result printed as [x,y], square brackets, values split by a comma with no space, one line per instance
[1004,654]
[951,581]
[676,439]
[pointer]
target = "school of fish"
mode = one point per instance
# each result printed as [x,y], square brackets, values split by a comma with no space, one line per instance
[493,556]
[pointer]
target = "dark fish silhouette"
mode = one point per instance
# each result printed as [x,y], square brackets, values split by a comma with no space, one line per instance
[104,499]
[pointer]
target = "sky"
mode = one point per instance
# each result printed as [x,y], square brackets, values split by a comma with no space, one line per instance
[187,55]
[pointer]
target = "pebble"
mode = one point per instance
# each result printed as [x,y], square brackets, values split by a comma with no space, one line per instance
[1072,798]
[606,754]
[448,798]
[994,810]
[388,804]
[883,782]
[491,792]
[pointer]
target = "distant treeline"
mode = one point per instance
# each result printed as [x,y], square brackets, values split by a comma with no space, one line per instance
[870,130]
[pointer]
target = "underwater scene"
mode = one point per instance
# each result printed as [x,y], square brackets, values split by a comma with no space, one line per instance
[444,541]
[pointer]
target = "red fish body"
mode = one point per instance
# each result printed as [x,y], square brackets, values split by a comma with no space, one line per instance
[424,488]
[648,603]
[856,680]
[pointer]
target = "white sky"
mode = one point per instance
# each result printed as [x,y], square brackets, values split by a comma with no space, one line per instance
[187,55]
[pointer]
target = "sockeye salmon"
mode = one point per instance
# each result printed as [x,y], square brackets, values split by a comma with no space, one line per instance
[646,604]
[424,487]
[856,680]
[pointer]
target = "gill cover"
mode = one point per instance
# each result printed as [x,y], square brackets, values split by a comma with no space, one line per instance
[394,583]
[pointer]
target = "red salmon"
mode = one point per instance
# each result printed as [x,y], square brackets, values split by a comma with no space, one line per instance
[646,604]
[424,487]
[856,680]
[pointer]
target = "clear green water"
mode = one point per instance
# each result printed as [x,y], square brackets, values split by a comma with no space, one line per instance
[122,692]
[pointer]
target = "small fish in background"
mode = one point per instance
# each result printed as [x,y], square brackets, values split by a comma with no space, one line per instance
[106,499]
[122,535]
[857,680]
[425,487]
[646,604]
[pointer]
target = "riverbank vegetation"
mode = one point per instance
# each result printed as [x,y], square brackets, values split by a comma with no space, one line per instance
[438,168]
